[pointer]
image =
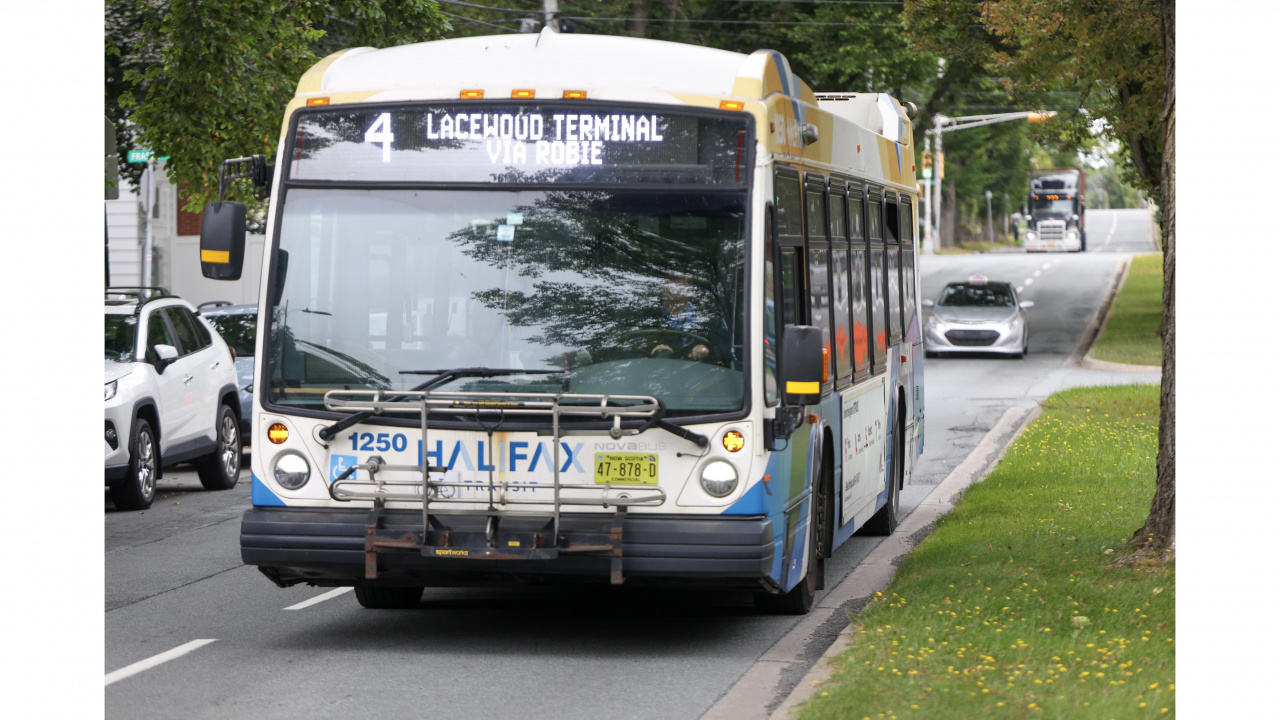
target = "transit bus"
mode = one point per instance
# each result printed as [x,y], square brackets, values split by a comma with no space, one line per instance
[573,308]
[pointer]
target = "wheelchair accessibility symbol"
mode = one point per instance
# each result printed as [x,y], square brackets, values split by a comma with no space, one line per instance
[339,464]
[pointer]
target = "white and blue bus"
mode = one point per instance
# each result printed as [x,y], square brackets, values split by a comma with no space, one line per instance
[577,308]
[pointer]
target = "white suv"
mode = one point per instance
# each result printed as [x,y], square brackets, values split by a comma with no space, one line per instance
[171,396]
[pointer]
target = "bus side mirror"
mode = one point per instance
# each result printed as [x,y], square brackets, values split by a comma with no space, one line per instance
[801,365]
[222,240]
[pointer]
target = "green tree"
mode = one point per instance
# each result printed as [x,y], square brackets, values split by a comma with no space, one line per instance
[1119,56]
[202,82]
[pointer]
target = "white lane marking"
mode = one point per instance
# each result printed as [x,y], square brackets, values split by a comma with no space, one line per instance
[1029,281]
[1046,266]
[1019,288]
[320,598]
[1036,274]
[1115,218]
[155,660]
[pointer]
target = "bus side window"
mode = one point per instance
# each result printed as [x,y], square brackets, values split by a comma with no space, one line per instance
[819,272]
[908,230]
[860,288]
[892,256]
[879,326]
[770,314]
[790,276]
[843,350]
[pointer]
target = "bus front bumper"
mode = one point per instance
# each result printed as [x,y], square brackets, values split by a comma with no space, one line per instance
[329,547]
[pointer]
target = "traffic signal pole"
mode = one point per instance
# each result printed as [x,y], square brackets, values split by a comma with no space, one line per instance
[941,124]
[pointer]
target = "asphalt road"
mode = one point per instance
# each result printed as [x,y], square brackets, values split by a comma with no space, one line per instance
[174,576]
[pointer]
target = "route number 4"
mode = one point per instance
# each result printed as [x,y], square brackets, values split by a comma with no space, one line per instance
[380,132]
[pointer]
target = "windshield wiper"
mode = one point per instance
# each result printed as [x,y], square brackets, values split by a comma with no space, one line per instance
[439,377]
[658,420]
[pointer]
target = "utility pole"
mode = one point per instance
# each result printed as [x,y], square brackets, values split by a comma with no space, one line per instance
[148,247]
[991,229]
[551,13]
[928,245]
[938,160]
[942,123]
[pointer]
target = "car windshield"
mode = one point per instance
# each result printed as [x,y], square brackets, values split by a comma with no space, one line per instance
[968,295]
[240,331]
[623,292]
[122,333]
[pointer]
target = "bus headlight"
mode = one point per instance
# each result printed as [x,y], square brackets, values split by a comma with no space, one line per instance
[719,478]
[292,470]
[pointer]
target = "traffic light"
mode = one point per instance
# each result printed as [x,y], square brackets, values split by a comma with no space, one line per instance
[926,165]
[942,166]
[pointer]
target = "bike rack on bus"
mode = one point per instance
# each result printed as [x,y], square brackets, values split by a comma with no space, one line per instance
[436,540]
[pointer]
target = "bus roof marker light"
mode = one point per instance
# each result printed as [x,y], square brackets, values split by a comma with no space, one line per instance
[733,441]
[575,94]
[732,105]
[471,94]
[313,102]
[522,94]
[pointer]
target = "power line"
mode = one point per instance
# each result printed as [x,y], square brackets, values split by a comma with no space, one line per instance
[487,7]
[737,22]
[477,22]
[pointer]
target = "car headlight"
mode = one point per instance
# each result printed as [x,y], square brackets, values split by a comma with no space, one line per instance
[719,478]
[938,324]
[110,390]
[292,470]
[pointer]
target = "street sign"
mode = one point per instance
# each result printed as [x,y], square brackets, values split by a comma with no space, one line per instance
[142,155]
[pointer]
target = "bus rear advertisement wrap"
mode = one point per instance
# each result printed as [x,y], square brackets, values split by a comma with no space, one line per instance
[526,143]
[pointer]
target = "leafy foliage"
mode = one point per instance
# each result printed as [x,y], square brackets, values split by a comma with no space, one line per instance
[1108,52]
[203,82]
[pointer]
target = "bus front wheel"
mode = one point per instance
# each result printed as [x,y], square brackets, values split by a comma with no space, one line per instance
[799,600]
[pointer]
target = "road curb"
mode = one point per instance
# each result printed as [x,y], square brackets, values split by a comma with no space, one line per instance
[974,468]
[750,696]
[1088,362]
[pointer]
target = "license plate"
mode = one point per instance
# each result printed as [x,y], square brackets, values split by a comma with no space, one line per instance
[626,469]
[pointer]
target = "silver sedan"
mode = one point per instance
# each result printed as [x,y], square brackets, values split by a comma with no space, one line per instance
[977,316]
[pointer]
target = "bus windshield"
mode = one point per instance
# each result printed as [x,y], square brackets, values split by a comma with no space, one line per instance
[623,292]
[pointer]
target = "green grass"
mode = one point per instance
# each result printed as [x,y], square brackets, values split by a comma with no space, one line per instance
[1132,334]
[1012,607]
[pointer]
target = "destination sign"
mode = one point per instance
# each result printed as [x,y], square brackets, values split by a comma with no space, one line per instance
[520,144]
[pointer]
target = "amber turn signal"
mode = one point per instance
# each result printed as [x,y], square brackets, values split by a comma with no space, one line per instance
[277,433]
[733,441]
[471,94]
[312,102]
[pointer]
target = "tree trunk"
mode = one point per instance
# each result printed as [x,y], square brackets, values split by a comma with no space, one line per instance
[1157,535]
[639,18]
